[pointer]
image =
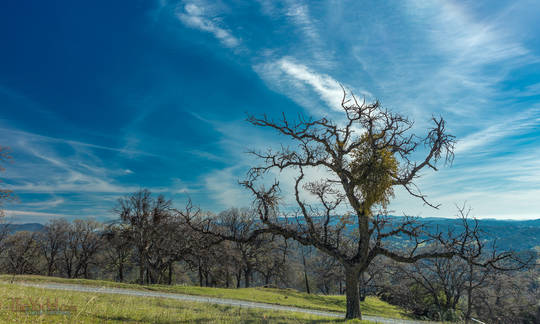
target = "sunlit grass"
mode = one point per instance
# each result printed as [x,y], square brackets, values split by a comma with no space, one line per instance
[86,307]
[287,297]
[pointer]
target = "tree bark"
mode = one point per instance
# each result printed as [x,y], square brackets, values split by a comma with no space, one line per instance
[305,271]
[200,276]
[121,271]
[352,293]
[50,267]
[238,278]
[247,277]
[169,280]
[141,272]
[469,295]
[362,287]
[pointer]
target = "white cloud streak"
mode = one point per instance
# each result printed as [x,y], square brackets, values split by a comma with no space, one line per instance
[325,86]
[299,83]
[49,139]
[18,216]
[470,41]
[299,13]
[194,16]
[511,126]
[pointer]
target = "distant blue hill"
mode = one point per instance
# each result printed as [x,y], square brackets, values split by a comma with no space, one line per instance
[517,235]
[31,227]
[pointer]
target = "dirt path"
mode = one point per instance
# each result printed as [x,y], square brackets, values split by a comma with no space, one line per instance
[210,300]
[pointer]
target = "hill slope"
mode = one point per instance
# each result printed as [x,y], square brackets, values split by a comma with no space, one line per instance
[286,297]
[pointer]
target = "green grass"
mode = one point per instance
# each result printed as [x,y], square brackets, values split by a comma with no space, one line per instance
[79,307]
[287,297]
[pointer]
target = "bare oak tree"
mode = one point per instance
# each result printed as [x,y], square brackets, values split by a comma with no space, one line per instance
[22,253]
[118,248]
[142,216]
[482,258]
[51,241]
[365,158]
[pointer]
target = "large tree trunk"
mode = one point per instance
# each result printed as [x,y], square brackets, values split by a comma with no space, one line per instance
[305,271]
[141,270]
[169,279]
[352,294]
[469,295]
[200,276]
[238,278]
[50,266]
[247,277]
[121,271]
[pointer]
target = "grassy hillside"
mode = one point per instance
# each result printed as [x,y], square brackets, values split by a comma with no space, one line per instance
[287,297]
[20,304]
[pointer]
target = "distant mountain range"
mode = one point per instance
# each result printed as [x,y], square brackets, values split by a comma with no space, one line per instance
[31,227]
[517,235]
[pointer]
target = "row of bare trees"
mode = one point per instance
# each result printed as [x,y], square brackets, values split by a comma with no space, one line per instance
[148,243]
[64,248]
[170,251]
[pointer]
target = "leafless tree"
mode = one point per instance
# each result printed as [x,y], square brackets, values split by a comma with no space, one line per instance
[22,253]
[441,281]
[440,284]
[80,246]
[118,248]
[209,259]
[143,215]
[365,158]
[272,262]
[170,243]
[264,254]
[51,240]
[328,273]
[482,258]
[508,297]
[85,243]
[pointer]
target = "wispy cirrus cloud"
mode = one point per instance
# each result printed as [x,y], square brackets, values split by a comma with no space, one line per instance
[52,203]
[48,169]
[299,82]
[33,216]
[195,15]
[469,41]
[49,139]
[299,13]
[523,122]
[468,58]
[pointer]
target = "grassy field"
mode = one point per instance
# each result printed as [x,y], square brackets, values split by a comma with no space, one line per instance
[287,297]
[19,304]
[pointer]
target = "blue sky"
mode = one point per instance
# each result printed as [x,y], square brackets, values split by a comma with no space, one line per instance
[101,98]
